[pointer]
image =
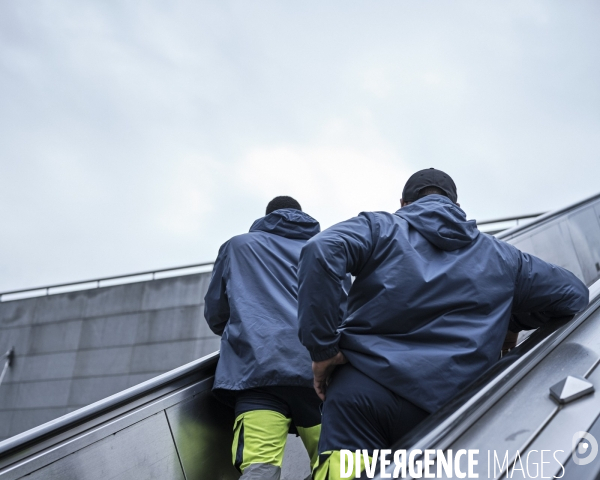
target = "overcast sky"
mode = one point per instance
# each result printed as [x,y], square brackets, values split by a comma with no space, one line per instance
[142,135]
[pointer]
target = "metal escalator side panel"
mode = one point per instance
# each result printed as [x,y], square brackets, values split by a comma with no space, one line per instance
[184,431]
[47,443]
[202,430]
[143,451]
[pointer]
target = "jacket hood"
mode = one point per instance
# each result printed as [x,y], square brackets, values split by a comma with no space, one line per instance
[289,223]
[440,221]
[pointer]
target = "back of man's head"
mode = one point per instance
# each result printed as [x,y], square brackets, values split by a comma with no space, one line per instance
[431,191]
[282,202]
[429,182]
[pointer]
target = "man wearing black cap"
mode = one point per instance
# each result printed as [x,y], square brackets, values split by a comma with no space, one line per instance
[263,370]
[427,314]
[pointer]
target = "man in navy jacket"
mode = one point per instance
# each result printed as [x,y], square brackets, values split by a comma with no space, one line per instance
[427,313]
[263,369]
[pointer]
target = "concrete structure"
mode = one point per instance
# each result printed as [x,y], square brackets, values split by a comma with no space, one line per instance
[72,349]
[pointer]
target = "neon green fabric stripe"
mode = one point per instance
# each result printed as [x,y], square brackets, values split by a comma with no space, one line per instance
[310,439]
[261,436]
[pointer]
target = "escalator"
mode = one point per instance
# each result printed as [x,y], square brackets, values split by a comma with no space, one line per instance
[170,427]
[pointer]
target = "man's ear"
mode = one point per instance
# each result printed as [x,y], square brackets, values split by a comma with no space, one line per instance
[403,203]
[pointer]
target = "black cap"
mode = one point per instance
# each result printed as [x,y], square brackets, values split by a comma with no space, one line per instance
[430,177]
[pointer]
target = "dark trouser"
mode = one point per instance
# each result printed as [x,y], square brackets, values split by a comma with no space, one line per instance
[263,419]
[360,414]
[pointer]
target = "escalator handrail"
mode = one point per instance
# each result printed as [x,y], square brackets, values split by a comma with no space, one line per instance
[105,405]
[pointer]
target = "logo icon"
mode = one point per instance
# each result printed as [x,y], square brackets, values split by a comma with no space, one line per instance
[585,448]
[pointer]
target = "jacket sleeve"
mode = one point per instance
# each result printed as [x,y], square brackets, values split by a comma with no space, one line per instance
[216,303]
[324,262]
[544,291]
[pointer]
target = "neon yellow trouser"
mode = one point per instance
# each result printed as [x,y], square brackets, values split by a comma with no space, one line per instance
[259,437]
[328,467]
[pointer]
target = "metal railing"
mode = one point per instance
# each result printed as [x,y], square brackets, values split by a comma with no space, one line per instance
[511,219]
[492,227]
[101,282]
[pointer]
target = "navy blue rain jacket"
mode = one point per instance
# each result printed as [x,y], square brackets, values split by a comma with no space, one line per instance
[252,303]
[432,300]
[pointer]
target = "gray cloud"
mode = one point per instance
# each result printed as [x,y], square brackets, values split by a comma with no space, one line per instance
[126,128]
